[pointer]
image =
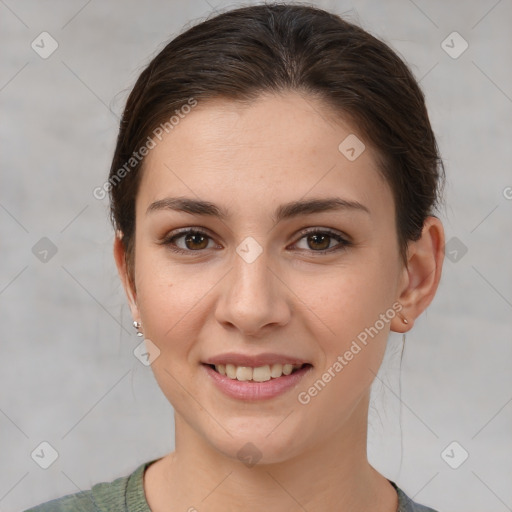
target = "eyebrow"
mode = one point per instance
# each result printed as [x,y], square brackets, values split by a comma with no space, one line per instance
[284,211]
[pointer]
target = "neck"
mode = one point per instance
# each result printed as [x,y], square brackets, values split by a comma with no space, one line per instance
[333,474]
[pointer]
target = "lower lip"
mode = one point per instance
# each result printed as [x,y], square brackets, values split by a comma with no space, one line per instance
[249,390]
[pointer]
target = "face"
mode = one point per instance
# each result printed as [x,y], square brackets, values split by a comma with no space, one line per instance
[302,284]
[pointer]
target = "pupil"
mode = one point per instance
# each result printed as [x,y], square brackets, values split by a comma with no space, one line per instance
[191,237]
[320,236]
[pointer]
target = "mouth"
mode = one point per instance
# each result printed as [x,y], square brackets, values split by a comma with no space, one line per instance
[257,374]
[249,383]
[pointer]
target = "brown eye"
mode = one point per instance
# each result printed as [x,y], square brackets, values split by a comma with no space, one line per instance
[196,241]
[319,241]
[193,241]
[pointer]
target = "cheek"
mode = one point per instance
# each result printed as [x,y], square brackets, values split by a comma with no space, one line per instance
[358,311]
[352,356]
[171,299]
[354,299]
[161,297]
[171,322]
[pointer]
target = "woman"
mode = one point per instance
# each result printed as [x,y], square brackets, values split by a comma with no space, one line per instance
[272,190]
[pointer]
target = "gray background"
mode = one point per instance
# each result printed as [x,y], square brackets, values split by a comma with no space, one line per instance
[68,373]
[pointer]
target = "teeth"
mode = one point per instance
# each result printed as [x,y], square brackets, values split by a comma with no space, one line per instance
[243,373]
[259,374]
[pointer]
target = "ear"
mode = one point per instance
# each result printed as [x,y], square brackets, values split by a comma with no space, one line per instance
[421,277]
[129,288]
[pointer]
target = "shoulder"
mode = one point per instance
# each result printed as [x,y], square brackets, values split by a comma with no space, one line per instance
[102,497]
[92,500]
[82,501]
[406,504]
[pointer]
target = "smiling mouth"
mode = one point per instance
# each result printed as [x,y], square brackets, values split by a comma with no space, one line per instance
[258,374]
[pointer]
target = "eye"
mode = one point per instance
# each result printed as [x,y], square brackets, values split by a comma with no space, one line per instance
[196,240]
[320,240]
[193,239]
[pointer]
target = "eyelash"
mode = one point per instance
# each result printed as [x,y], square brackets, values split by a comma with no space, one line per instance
[344,243]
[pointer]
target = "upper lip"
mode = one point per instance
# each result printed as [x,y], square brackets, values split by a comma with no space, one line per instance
[255,360]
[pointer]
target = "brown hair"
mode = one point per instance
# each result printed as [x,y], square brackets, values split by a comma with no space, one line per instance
[242,53]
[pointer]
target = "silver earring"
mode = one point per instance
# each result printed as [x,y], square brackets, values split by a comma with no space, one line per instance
[137,326]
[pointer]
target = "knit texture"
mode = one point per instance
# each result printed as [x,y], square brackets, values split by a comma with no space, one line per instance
[126,494]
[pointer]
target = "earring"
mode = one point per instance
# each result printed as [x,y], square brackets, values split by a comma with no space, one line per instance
[404,320]
[137,326]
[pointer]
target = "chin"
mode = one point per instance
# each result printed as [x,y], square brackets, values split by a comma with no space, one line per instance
[255,446]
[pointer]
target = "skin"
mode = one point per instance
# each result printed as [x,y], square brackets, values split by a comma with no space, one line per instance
[291,300]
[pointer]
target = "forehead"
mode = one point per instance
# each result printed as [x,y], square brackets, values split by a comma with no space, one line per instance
[255,156]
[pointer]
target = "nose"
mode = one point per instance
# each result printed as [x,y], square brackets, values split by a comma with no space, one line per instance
[253,297]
